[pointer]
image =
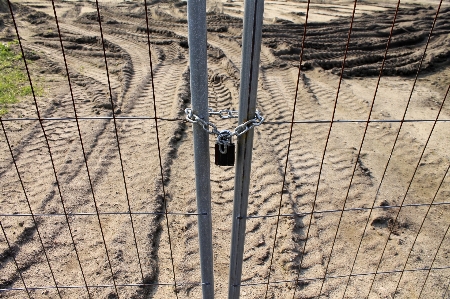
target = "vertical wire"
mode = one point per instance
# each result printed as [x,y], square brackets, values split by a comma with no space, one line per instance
[360,149]
[159,150]
[14,259]
[93,196]
[288,149]
[62,202]
[118,143]
[395,143]
[439,247]
[431,203]
[90,182]
[87,170]
[48,147]
[29,207]
[326,145]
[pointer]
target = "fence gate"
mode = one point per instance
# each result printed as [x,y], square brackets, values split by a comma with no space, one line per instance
[327,123]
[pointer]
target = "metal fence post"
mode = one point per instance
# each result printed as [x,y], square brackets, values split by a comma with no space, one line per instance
[199,96]
[251,48]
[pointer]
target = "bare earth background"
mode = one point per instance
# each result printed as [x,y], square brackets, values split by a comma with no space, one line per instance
[130,78]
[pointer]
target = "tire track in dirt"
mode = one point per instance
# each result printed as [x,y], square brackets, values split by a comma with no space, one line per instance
[323,46]
[60,140]
[60,135]
[276,103]
[140,163]
[137,53]
[315,102]
[171,72]
[184,229]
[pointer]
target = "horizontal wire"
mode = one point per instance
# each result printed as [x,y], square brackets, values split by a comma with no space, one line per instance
[343,276]
[104,286]
[102,213]
[206,283]
[248,217]
[91,118]
[354,121]
[348,210]
[184,120]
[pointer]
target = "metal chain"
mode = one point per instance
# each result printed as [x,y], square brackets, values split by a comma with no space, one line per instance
[224,135]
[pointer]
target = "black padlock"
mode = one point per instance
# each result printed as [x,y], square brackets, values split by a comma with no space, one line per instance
[224,150]
[224,154]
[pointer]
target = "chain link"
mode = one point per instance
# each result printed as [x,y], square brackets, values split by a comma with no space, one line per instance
[224,114]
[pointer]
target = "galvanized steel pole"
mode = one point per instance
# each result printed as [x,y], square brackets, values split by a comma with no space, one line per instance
[199,96]
[251,48]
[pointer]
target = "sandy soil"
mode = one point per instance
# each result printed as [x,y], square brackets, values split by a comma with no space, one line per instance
[131,85]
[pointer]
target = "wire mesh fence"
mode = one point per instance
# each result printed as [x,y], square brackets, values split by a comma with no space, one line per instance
[349,186]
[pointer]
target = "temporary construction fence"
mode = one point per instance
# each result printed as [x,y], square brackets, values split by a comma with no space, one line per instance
[351,222]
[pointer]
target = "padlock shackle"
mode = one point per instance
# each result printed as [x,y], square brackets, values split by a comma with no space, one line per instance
[223,148]
[223,140]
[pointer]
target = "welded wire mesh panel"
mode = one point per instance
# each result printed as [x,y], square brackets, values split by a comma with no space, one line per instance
[349,186]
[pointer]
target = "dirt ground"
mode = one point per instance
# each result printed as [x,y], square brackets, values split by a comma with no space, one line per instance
[363,232]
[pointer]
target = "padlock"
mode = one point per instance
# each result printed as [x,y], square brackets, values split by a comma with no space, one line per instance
[227,158]
[224,149]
